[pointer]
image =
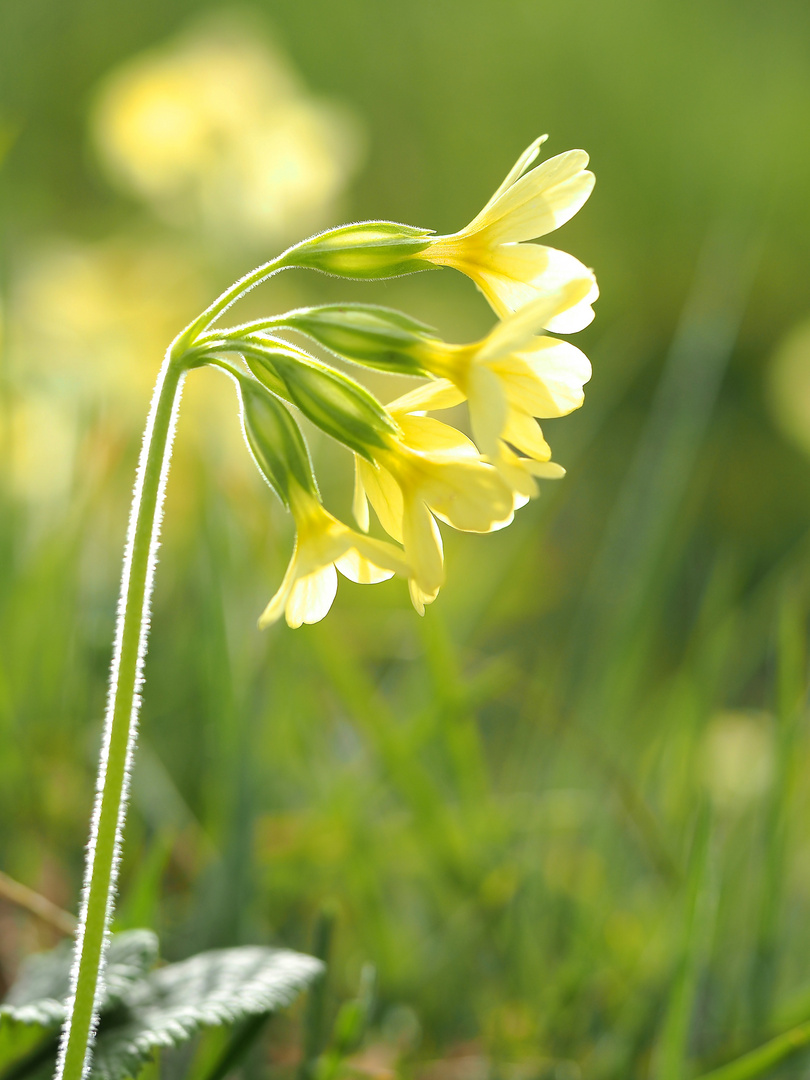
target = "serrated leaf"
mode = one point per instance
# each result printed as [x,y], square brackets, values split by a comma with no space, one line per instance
[173,1003]
[132,955]
[21,1041]
[39,994]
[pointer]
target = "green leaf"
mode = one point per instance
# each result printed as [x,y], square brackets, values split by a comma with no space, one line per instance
[35,1006]
[38,996]
[143,1009]
[765,1058]
[173,1003]
[24,1044]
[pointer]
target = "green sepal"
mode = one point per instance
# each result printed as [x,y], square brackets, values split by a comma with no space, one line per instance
[375,337]
[369,249]
[274,440]
[333,401]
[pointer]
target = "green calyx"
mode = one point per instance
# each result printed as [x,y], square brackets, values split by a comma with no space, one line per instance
[330,399]
[275,440]
[375,337]
[369,249]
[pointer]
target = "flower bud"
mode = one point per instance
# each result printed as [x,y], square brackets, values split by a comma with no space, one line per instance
[275,441]
[373,336]
[331,400]
[370,249]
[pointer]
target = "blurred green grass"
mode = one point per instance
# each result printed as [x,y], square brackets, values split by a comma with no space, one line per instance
[565,814]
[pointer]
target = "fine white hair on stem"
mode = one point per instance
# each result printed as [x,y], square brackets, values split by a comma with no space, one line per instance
[154,543]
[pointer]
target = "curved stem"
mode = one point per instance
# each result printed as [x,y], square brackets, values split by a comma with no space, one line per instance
[101,869]
[230,296]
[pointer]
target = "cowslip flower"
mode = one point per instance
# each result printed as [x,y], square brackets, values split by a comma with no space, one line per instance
[429,470]
[527,205]
[508,378]
[491,249]
[324,545]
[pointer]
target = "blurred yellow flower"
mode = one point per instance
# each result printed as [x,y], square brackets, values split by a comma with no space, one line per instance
[429,471]
[490,250]
[738,757]
[508,378]
[323,546]
[88,324]
[788,385]
[215,131]
[104,311]
[40,441]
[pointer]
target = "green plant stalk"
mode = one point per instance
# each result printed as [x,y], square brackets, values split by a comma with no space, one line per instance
[193,332]
[764,1058]
[123,704]
[189,349]
[101,868]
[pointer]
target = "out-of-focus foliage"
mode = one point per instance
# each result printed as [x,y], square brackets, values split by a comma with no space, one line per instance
[565,814]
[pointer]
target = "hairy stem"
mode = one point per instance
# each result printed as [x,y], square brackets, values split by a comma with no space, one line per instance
[231,295]
[101,868]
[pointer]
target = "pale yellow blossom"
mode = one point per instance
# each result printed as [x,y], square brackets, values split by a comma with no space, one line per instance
[430,470]
[491,251]
[323,546]
[509,378]
[215,130]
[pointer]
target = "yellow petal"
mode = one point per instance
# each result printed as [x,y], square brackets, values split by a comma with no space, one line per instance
[419,597]
[311,597]
[512,469]
[519,472]
[541,201]
[518,169]
[512,275]
[359,500]
[488,408]
[368,561]
[426,435]
[524,391]
[516,331]
[274,610]
[524,433]
[385,496]
[546,470]
[439,394]
[540,389]
[423,544]
[360,570]
[470,496]
[562,368]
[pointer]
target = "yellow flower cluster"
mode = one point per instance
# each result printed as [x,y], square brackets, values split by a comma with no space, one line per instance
[412,469]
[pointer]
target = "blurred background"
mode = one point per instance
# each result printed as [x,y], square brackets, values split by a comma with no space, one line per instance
[566,815]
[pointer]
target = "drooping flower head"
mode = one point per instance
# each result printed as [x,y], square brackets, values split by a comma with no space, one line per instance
[413,469]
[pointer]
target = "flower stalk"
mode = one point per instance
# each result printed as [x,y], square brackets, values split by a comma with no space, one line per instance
[121,722]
